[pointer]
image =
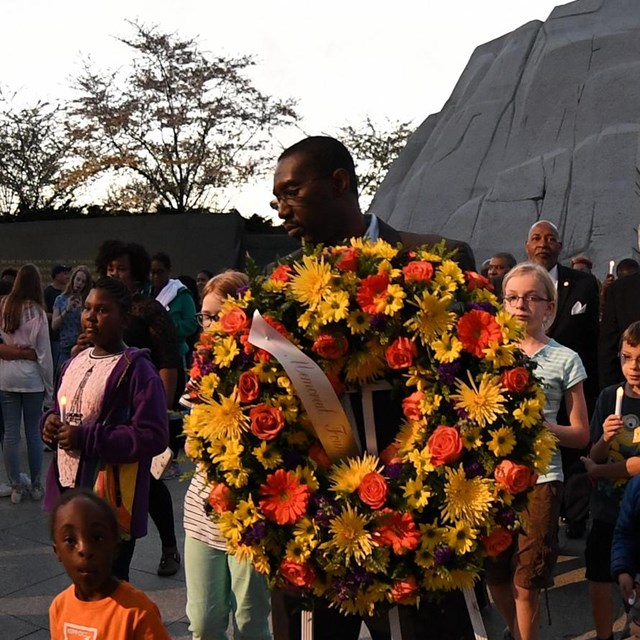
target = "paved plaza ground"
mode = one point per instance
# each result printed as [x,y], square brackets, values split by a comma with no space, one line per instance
[30,576]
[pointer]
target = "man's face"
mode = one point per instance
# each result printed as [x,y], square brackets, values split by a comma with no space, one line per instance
[497,267]
[62,278]
[305,202]
[543,246]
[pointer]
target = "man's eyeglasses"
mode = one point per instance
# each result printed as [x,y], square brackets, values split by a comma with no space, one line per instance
[627,359]
[529,298]
[205,319]
[291,195]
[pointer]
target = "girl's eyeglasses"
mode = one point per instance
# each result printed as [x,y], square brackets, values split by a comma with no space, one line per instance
[205,319]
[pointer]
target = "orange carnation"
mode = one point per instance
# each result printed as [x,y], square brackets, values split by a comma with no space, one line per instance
[497,541]
[404,591]
[445,445]
[220,498]
[401,353]
[282,273]
[515,478]
[418,271]
[373,490]
[476,329]
[515,379]
[248,386]
[234,321]
[372,293]
[299,575]
[285,500]
[396,530]
[266,421]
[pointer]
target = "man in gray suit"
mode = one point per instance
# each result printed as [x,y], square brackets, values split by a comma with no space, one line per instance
[315,192]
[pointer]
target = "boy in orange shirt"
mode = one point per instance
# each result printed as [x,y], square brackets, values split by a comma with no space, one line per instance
[97,605]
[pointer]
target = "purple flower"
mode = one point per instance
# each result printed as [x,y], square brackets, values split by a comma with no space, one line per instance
[394,470]
[474,469]
[448,372]
[482,306]
[443,554]
[254,533]
[241,290]
[378,322]
[506,517]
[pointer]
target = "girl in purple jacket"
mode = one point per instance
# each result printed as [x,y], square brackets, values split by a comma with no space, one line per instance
[109,418]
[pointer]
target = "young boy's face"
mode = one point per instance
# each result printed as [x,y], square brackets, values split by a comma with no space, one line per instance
[630,363]
[86,544]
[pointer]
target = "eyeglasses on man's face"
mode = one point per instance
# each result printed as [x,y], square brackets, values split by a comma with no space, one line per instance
[528,299]
[291,195]
[625,358]
[205,320]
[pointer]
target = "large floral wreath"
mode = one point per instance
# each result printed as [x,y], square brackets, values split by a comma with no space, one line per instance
[421,517]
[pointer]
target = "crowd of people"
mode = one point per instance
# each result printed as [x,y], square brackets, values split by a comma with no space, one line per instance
[95,369]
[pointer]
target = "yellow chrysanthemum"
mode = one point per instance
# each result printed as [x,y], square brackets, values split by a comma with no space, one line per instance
[512,328]
[334,307]
[502,442]
[529,412]
[432,535]
[461,537]
[484,402]
[467,499]
[218,420]
[432,318]
[358,322]
[349,536]
[297,551]
[409,435]
[447,349]
[208,385]
[544,447]
[416,493]
[348,475]
[225,350]
[471,436]
[364,366]
[311,281]
[378,249]
[267,455]
[500,355]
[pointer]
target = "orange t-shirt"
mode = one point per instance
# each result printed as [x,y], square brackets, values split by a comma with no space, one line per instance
[127,614]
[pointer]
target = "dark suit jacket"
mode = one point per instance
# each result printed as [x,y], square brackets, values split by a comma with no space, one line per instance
[579,331]
[621,308]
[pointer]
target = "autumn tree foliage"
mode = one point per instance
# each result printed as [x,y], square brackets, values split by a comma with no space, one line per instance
[178,123]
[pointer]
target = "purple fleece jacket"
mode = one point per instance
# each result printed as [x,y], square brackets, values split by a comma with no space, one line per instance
[132,427]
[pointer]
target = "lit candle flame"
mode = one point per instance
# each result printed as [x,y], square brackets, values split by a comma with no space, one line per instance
[63,409]
[611,265]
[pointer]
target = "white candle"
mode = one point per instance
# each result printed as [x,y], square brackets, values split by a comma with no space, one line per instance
[612,264]
[63,409]
[619,396]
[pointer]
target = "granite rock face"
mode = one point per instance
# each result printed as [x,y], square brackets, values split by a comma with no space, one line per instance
[544,123]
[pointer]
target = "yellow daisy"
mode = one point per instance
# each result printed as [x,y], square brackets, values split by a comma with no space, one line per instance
[512,328]
[364,366]
[416,493]
[432,535]
[500,355]
[311,281]
[247,512]
[238,477]
[266,372]
[267,455]
[378,249]
[358,322]
[394,299]
[432,318]
[471,436]
[208,384]
[334,307]
[529,412]
[447,349]
[544,447]
[421,460]
[502,441]
[484,402]
[349,536]
[467,499]
[297,551]
[225,350]
[306,531]
[461,537]
[307,476]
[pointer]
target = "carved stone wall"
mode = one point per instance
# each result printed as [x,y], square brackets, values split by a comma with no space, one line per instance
[544,123]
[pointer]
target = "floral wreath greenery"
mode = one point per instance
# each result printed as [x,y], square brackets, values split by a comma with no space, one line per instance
[420,518]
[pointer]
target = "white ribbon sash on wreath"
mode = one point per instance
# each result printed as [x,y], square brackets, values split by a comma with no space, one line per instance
[332,422]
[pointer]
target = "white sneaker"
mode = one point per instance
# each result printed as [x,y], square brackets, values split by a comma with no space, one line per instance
[16,496]
[5,490]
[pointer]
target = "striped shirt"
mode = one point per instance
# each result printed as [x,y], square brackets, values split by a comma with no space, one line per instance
[197,524]
[559,368]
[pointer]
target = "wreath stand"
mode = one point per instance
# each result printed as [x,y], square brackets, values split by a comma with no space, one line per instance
[372,447]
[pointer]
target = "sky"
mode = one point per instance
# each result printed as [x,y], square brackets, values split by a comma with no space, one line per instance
[342,60]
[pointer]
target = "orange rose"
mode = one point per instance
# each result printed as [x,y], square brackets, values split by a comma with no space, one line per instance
[515,478]
[400,353]
[234,321]
[266,421]
[220,498]
[477,281]
[319,455]
[445,445]
[496,542]
[418,271]
[281,273]
[373,490]
[330,347]
[411,406]
[248,386]
[347,259]
[404,591]
[515,379]
[299,575]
